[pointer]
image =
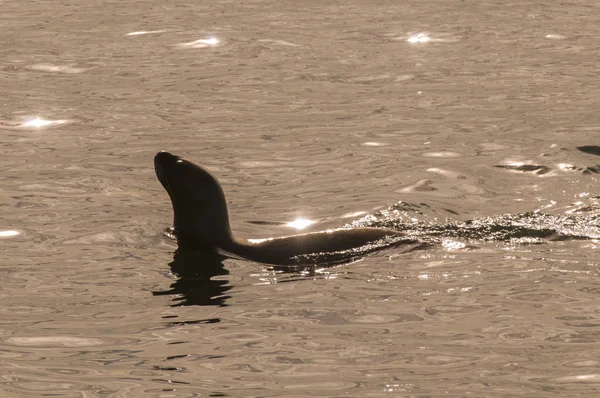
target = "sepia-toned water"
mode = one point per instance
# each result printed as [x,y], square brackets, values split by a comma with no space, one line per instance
[446,115]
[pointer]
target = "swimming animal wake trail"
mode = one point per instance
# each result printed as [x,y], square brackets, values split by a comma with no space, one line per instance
[201,222]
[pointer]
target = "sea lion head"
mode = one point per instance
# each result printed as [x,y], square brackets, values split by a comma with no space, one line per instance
[199,206]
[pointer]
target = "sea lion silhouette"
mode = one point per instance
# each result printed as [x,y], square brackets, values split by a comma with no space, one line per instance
[201,222]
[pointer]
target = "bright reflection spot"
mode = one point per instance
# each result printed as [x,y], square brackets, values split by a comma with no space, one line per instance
[355,214]
[445,173]
[566,166]
[256,241]
[279,42]
[300,223]
[423,276]
[373,144]
[452,244]
[419,38]
[56,68]
[8,233]
[213,41]
[552,203]
[37,122]
[441,155]
[202,43]
[555,37]
[144,32]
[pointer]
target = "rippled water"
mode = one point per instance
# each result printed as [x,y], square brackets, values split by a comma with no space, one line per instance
[446,119]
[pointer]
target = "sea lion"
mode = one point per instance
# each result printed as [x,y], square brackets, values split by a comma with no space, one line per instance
[201,222]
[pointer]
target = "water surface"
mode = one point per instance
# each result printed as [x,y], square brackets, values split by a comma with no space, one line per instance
[325,111]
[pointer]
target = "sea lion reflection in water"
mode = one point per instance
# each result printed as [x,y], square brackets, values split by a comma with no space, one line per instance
[201,222]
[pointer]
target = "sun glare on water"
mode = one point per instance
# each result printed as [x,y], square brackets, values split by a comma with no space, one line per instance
[202,43]
[300,223]
[419,38]
[9,233]
[213,41]
[37,122]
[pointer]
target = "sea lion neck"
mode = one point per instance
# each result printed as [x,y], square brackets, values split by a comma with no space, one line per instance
[199,206]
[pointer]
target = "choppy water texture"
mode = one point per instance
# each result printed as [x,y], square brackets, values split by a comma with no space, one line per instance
[473,126]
